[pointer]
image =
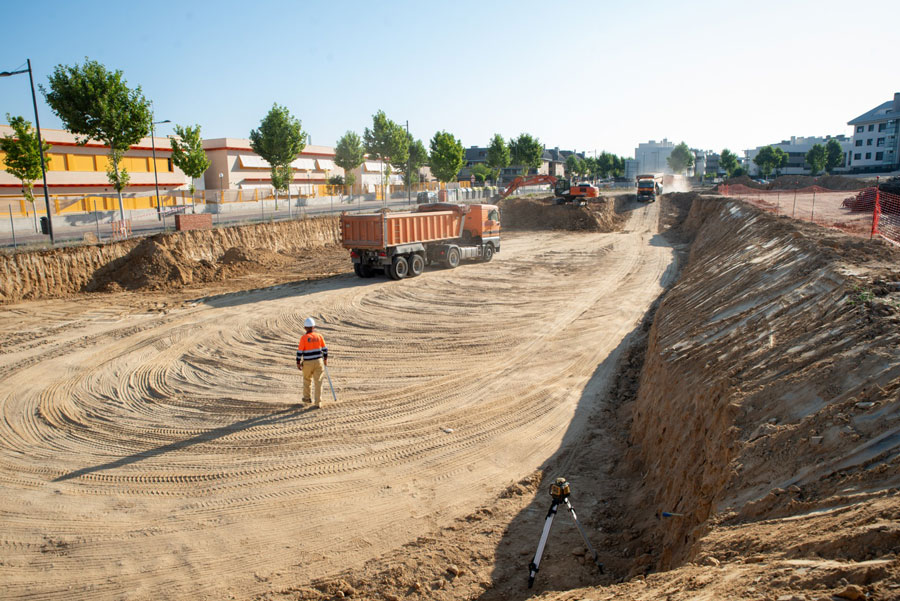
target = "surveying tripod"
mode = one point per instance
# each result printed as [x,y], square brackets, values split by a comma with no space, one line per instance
[559,492]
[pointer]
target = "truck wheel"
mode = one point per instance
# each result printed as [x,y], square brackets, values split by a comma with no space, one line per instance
[399,268]
[488,253]
[357,269]
[366,271]
[452,259]
[416,265]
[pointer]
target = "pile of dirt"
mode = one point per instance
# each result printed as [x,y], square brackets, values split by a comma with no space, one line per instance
[152,265]
[159,263]
[829,182]
[744,180]
[523,213]
[891,186]
[797,182]
[168,261]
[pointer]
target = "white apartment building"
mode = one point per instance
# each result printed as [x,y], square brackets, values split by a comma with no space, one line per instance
[876,143]
[652,156]
[796,149]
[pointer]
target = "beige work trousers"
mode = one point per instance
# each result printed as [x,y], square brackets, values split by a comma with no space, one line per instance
[313,372]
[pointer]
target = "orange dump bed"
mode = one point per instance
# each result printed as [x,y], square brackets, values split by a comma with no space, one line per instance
[391,229]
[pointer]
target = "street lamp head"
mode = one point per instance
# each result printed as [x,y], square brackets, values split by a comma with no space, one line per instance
[161,122]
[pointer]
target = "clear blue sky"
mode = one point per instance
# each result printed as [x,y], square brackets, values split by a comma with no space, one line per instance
[585,75]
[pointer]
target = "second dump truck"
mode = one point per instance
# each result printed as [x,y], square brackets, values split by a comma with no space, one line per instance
[402,244]
[649,186]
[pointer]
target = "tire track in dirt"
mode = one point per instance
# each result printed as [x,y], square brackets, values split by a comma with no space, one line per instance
[169,460]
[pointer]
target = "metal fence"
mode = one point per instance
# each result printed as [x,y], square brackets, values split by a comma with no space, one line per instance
[78,219]
[868,212]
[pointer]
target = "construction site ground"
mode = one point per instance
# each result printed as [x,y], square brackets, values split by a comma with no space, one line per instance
[720,386]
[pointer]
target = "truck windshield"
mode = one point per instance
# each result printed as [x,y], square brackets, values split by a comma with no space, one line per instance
[645,183]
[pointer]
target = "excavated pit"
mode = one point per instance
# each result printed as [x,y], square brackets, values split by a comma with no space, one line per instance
[748,448]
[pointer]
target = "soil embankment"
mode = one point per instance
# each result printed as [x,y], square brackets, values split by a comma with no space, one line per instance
[599,215]
[167,261]
[797,182]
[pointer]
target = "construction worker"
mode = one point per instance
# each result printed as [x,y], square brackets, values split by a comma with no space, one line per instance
[312,357]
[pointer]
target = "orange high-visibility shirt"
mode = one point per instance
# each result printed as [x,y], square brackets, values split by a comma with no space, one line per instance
[312,346]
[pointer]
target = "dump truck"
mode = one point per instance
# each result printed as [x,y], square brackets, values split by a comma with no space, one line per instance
[649,186]
[402,244]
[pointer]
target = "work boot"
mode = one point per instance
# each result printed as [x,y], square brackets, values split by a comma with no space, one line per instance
[316,405]
[305,400]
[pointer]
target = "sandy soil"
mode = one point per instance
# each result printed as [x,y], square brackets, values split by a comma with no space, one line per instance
[821,208]
[152,447]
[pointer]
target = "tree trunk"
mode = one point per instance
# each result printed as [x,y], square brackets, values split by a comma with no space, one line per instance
[119,192]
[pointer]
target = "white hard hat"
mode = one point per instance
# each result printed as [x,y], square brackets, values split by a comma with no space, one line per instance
[309,323]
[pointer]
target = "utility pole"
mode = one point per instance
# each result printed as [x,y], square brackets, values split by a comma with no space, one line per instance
[37,123]
[408,169]
[155,177]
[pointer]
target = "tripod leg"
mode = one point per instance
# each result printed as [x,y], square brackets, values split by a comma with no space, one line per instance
[584,536]
[536,562]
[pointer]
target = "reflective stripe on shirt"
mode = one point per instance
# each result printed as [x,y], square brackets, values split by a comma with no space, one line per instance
[312,346]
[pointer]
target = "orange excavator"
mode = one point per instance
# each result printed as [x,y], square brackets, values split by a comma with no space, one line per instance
[561,188]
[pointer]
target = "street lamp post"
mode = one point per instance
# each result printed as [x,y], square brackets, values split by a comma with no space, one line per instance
[155,177]
[408,170]
[37,123]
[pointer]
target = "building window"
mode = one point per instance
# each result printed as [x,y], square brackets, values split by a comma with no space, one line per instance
[880,142]
[857,156]
[859,142]
[879,156]
[872,127]
[859,128]
[169,165]
[869,142]
[868,155]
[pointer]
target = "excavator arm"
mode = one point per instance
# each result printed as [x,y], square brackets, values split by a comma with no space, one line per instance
[528,181]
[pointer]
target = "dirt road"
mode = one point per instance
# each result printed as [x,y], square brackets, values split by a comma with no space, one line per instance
[156,455]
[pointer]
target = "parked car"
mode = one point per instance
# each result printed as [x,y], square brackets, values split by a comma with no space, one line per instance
[426,197]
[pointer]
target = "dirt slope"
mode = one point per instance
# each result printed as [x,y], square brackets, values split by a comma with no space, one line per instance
[159,454]
[166,261]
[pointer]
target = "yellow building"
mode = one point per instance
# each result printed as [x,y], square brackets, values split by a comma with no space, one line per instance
[74,169]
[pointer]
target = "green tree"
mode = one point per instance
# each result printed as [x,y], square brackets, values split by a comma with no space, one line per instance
[815,158]
[606,164]
[447,156]
[728,161]
[348,155]
[417,156]
[740,171]
[497,155]
[781,160]
[188,154]
[681,158]
[526,152]
[23,156]
[386,142]
[574,165]
[590,166]
[619,166]
[96,104]
[482,172]
[834,155]
[336,180]
[279,140]
[766,160]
